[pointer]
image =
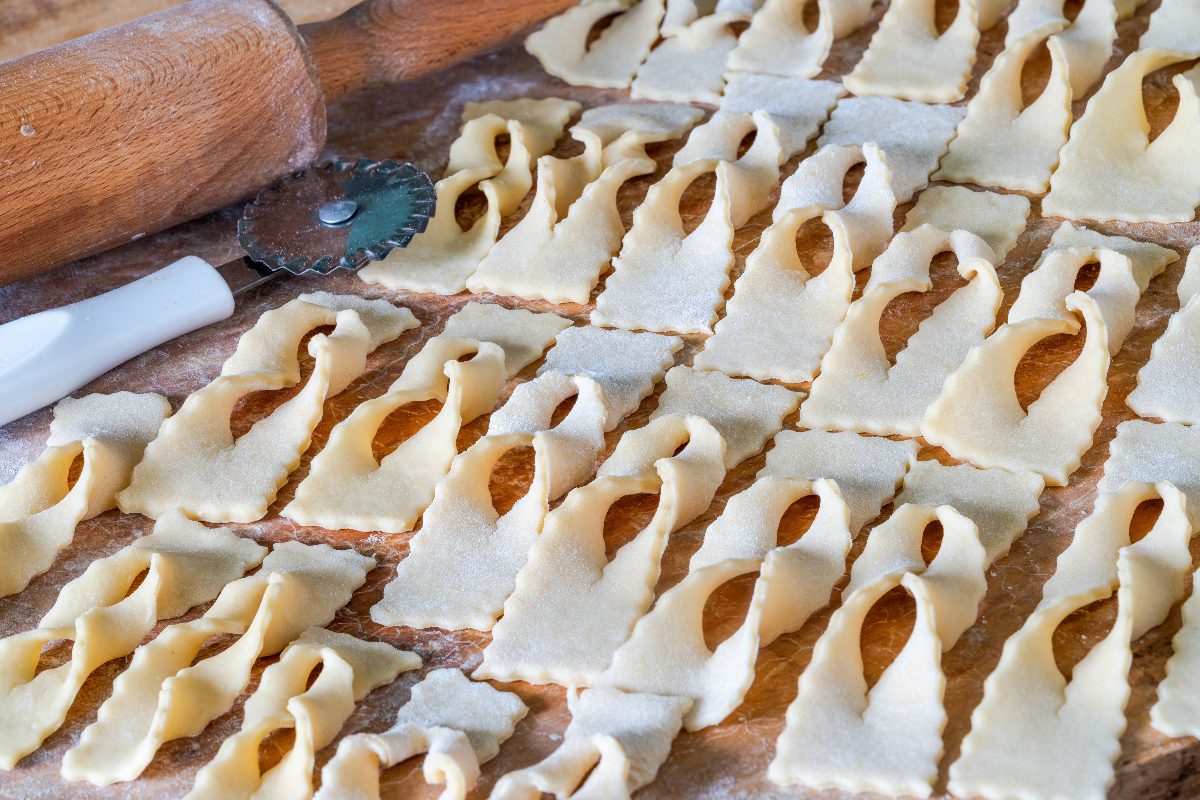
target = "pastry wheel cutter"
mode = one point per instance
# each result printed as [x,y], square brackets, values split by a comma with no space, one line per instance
[336,216]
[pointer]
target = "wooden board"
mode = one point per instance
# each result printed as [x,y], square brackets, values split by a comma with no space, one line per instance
[418,122]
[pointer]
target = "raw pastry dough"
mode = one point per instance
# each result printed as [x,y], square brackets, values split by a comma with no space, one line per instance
[779,43]
[561,45]
[1176,713]
[1036,734]
[440,259]
[559,248]
[347,488]
[745,413]
[1146,258]
[667,654]
[195,465]
[908,58]
[289,697]
[614,746]
[39,508]
[886,738]
[912,135]
[999,502]
[458,724]
[858,389]
[1174,25]
[1003,142]
[996,218]
[688,66]
[185,564]
[798,106]
[572,607]
[751,178]
[1166,384]
[166,694]
[1086,42]
[978,418]
[1144,453]
[1109,170]
[866,469]
[780,321]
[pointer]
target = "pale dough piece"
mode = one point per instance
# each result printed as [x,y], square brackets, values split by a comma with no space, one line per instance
[561,45]
[1003,142]
[1144,453]
[1109,170]
[1166,384]
[779,43]
[289,698]
[866,469]
[1146,258]
[1176,713]
[166,694]
[1086,42]
[780,321]
[39,508]
[999,502]
[908,58]
[913,135]
[682,13]
[1174,25]
[688,66]
[614,746]
[667,654]
[559,248]
[797,105]
[998,219]
[573,607]
[886,738]
[858,389]
[185,564]
[1036,734]
[458,724]
[753,177]
[440,259]
[195,465]
[745,413]
[665,280]
[977,416]
[347,488]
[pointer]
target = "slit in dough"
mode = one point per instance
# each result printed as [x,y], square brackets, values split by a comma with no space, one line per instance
[779,43]
[562,48]
[1166,384]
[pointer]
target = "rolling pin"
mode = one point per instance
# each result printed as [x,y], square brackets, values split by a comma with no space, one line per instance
[131,130]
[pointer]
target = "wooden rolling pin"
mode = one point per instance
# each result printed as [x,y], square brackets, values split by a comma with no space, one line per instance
[140,127]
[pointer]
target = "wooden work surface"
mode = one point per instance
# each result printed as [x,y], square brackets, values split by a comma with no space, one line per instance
[417,123]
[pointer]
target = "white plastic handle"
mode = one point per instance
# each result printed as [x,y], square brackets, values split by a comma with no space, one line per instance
[46,356]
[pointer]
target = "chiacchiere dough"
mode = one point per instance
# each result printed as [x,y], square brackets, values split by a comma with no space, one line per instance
[456,723]
[185,564]
[166,694]
[440,259]
[908,58]
[996,218]
[913,135]
[797,105]
[858,388]
[1003,142]
[1146,453]
[609,62]
[1174,25]
[310,690]
[614,746]
[1036,734]
[667,654]
[1110,170]
[779,43]
[753,177]
[1177,712]
[1086,42]
[688,65]
[1166,384]
[886,738]
[780,321]
[195,466]
[567,238]
[347,488]
[572,606]
[745,413]
[40,508]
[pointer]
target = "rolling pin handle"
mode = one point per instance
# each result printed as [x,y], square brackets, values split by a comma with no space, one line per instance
[48,355]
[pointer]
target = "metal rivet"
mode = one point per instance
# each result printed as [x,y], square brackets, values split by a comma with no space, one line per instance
[337,212]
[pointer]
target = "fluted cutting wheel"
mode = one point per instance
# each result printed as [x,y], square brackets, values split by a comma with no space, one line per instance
[336,216]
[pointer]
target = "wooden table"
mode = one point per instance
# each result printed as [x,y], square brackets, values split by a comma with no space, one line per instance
[417,123]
